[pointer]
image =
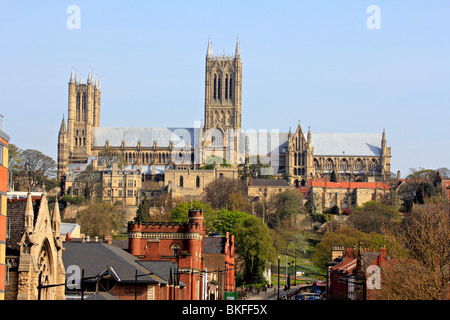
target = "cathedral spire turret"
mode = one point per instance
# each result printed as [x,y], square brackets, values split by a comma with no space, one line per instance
[209,52]
[237,54]
[29,214]
[72,78]
[62,129]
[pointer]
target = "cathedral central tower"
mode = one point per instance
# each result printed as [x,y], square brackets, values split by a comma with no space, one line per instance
[223,87]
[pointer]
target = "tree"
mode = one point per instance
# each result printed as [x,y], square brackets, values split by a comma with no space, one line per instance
[14,163]
[372,216]
[419,252]
[36,167]
[333,176]
[253,247]
[225,220]
[100,219]
[256,169]
[346,237]
[143,212]
[218,191]
[107,156]
[288,204]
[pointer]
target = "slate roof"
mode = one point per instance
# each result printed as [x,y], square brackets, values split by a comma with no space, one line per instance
[269,183]
[96,257]
[163,269]
[346,144]
[214,245]
[146,136]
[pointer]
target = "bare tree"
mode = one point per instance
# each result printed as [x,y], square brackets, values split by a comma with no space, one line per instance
[419,267]
[36,167]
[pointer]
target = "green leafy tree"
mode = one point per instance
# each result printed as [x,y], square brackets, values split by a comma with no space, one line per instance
[225,220]
[218,191]
[288,204]
[253,247]
[347,237]
[143,212]
[372,216]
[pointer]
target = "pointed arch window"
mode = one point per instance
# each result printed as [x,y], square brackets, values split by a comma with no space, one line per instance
[215,86]
[219,88]
[226,87]
[197,182]
[83,107]
[181,181]
[78,106]
[231,88]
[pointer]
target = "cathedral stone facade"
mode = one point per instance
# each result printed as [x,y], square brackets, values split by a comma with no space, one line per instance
[179,152]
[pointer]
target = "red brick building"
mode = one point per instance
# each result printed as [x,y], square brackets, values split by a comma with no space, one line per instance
[220,265]
[349,268]
[4,142]
[180,243]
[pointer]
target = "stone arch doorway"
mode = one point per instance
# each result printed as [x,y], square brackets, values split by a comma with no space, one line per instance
[46,274]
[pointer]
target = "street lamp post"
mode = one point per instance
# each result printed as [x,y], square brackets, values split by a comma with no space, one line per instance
[278,294]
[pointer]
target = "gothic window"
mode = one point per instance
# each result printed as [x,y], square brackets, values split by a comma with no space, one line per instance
[78,107]
[219,88]
[329,165]
[316,165]
[197,182]
[163,158]
[146,158]
[83,108]
[358,165]
[175,248]
[230,88]
[295,159]
[373,165]
[343,165]
[226,87]
[181,181]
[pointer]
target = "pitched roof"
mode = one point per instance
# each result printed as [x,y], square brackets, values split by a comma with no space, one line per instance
[96,257]
[346,144]
[269,183]
[214,245]
[146,136]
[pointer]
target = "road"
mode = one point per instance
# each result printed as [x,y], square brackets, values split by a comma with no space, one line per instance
[272,293]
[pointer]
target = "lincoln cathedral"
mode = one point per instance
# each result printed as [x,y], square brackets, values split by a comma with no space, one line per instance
[179,156]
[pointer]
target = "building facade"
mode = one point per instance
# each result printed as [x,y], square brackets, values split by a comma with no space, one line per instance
[4,232]
[174,242]
[34,250]
[157,150]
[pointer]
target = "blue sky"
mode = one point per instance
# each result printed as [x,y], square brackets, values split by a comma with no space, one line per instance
[314,61]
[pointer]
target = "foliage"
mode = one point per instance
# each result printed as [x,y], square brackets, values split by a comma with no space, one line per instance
[254,168]
[218,191]
[420,255]
[100,219]
[372,216]
[107,156]
[288,204]
[347,237]
[78,200]
[254,247]
[143,212]
[36,167]
[225,220]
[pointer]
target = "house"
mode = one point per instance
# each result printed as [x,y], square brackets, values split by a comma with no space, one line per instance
[109,272]
[219,254]
[348,272]
[180,243]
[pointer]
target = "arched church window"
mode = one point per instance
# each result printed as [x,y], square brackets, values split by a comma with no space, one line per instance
[197,182]
[215,86]
[219,88]
[78,106]
[83,108]
[231,88]
[226,87]
[373,165]
[316,165]
[181,181]
[329,165]
[343,165]
[358,165]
